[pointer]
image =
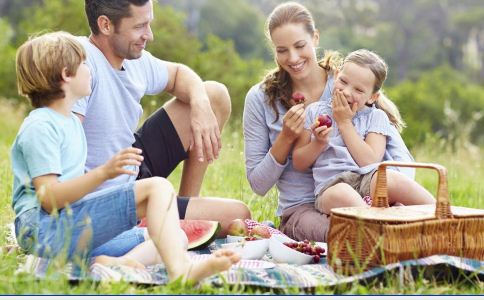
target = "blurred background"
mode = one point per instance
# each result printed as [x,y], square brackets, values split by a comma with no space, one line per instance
[435,50]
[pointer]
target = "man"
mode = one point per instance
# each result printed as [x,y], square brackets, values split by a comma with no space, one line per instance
[187,128]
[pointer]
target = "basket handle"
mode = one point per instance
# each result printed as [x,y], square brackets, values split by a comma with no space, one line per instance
[380,195]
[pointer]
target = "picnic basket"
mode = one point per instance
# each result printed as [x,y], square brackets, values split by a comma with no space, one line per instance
[363,237]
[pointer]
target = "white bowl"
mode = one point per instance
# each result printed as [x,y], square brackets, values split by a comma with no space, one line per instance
[249,249]
[234,238]
[283,254]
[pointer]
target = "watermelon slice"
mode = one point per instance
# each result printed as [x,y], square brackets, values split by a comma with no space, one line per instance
[200,233]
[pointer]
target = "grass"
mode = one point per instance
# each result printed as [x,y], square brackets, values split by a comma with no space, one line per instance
[226,178]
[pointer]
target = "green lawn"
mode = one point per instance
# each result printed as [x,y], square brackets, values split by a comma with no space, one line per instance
[226,178]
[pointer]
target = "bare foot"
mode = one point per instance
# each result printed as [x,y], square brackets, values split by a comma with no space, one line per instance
[118,261]
[219,261]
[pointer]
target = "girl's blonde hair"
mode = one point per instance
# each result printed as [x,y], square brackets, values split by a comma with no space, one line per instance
[39,64]
[379,68]
[277,83]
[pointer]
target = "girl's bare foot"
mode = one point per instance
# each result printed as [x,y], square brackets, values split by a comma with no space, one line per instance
[118,261]
[219,261]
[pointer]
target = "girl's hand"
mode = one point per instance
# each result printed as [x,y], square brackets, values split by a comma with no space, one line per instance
[293,122]
[321,133]
[342,112]
[127,157]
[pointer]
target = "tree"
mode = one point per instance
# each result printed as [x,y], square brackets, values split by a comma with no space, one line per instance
[212,59]
[7,62]
[53,15]
[237,21]
[221,62]
[422,104]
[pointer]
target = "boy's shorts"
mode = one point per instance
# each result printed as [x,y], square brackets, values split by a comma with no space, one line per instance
[83,226]
[359,182]
[162,150]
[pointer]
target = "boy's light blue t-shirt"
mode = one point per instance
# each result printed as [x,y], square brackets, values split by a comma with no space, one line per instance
[113,110]
[47,143]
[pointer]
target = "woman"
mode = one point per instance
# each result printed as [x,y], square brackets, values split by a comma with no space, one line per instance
[273,121]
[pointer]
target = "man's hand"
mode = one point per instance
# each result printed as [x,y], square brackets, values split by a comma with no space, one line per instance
[206,132]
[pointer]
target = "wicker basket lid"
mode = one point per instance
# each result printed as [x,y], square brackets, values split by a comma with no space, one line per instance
[409,213]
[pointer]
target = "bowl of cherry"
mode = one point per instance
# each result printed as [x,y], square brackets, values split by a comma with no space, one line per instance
[286,250]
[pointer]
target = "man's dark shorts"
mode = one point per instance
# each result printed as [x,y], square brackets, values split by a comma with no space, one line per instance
[162,150]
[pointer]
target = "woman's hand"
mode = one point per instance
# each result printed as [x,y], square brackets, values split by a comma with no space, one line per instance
[342,112]
[293,122]
[127,157]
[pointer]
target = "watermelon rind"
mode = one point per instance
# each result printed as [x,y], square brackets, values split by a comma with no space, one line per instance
[200,233]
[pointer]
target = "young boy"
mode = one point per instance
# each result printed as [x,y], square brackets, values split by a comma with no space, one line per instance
[54,213]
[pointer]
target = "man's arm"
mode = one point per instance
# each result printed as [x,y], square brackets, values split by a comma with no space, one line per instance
[188,87]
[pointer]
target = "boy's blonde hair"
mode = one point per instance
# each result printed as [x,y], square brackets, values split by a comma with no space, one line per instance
[39,64]
[379,68]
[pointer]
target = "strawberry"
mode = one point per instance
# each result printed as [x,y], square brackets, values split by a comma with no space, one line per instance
[324,120]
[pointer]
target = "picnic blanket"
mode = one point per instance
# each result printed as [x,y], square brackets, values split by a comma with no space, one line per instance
[264,273]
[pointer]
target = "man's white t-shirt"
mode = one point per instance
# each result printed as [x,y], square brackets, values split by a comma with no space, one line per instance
[113,110]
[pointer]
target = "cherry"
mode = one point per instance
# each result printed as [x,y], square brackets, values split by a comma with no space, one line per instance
[316,259]
[324,120]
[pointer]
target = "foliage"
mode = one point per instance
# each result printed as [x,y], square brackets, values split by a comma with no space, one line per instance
[416,38]
[234,20]
[52,15]
[172,41]
[7,61]
[214,59]
[221,62]
[422,104]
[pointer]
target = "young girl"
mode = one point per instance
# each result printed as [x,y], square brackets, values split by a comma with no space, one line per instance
[54,213]
[344,157]
[273,121]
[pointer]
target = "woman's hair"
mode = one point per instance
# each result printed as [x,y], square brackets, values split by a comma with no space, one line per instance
[39,64]
[277,83]
[376,64]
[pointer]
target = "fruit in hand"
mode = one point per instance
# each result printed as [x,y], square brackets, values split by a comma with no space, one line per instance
[324,120]
[237,227]
[298,97]
[307,247]
[260,231]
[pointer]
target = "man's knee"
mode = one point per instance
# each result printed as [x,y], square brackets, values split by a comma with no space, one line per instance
[219,99]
